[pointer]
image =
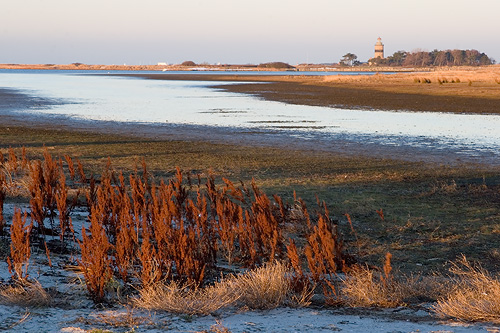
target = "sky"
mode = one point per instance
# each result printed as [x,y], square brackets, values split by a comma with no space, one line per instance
[140,32]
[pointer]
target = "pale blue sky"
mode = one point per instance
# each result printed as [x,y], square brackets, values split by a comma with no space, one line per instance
[238,32]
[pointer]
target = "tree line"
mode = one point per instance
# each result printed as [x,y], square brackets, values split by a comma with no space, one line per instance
[419,58]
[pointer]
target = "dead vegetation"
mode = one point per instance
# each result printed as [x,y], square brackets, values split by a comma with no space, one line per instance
[367,287]
[141,233]
[25,294]
[174,240]
[266,287]
[474,296]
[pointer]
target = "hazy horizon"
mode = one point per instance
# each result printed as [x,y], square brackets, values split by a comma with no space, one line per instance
[237,32]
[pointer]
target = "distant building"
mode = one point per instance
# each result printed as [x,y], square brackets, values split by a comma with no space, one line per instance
[162,64]
[379,49]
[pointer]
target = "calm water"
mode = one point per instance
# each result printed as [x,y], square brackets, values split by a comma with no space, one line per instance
[125,99]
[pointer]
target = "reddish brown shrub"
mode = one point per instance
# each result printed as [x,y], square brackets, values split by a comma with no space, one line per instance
[20,251]
[65,223]
[95,260]
[324,254]
[2,198]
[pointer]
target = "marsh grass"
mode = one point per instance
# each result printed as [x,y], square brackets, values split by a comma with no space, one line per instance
[365,287]
[187,299]
[474,296]
[266,287]
[411,195]
[25,294]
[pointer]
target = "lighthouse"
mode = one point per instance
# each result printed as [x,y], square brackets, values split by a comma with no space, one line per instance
[379,49]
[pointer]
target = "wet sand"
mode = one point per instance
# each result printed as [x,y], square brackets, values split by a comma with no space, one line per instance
[12,100]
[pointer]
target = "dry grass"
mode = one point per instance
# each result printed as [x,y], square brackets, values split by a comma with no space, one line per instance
[365,287]
[25,294]
[176,298]
[123,319]
[468,82]
[266,287]
[475,74]
[475,296]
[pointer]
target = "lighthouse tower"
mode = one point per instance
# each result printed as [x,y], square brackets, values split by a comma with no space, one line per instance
[379,49]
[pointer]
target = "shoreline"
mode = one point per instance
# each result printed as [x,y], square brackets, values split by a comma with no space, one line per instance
[345,145]
[207,68]
[381,92]
[244,137]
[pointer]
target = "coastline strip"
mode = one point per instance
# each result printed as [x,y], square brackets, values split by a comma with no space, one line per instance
[351,95]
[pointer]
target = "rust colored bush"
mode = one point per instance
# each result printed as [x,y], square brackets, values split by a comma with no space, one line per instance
[2,198]
[95,260]
[20,251]
[324,255]
[151,271]
[43,186]
[126,242]
[71,166]
[61,197]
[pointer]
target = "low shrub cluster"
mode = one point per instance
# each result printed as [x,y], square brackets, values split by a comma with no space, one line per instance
[188,245]
[182,230]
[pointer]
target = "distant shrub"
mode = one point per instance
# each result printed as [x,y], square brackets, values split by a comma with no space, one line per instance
[188,63]
[275,65]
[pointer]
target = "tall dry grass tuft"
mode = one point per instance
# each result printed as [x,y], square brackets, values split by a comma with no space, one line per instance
[25,294]
[151,266]
[189,299]
[12,165]
[266,287]
[365,287]
[71,167]
[20,251]
[37,202]
[475,295]
[127,243]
